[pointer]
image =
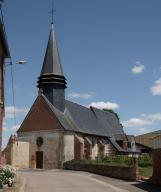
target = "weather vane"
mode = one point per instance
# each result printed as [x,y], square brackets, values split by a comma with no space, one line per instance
[52,12]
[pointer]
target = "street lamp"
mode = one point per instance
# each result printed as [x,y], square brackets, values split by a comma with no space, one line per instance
[9,63]
[21,62]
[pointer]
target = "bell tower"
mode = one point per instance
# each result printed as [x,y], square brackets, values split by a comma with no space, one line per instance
[52,82]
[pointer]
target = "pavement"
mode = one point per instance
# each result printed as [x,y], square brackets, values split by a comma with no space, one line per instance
[78,181]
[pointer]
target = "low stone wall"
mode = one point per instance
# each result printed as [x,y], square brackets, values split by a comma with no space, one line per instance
[120,172]
[2,160]
[156,178]
[17,154]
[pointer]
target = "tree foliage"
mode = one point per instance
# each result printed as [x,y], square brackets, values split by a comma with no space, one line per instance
[113,112]
[116,115]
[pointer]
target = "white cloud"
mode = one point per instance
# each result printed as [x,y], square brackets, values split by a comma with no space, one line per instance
[153,117]
[144,120]
[156,88]
[104,105]
[138,68]
[143,130]
[80,95]
[136,122]
[9,111]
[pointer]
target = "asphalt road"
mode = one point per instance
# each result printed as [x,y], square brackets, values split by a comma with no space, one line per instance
[71,181]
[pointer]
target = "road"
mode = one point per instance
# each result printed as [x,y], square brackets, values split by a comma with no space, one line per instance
[71,181]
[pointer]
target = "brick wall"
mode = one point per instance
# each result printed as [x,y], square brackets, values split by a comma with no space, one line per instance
[156,178]
[78,149]
[39,118]
[1,91]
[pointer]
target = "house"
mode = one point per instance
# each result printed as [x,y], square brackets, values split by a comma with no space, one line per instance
[147,139]
[60,130]
[4,53]
[143,149]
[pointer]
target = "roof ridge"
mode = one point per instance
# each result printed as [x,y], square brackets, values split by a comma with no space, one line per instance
[157,131]
[77,104]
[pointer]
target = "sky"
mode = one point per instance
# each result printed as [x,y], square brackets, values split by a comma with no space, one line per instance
[110,52]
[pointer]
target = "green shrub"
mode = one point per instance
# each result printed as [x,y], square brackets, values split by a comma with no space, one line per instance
[118,159]
[145,161]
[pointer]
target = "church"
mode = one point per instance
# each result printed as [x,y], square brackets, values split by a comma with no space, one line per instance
[58,130]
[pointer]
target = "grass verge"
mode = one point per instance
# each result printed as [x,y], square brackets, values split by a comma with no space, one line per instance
[146,171]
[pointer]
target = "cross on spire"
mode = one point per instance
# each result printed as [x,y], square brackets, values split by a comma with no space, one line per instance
[52,12]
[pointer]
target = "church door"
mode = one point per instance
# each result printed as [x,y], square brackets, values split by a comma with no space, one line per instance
[39,159]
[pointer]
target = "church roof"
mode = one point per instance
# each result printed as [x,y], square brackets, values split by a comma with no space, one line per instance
[87,120]
[93,121]
[90,121]
[52,64]
[62,117]
[80,119]
[119,137]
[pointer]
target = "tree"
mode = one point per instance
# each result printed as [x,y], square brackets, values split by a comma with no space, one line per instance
[113,112]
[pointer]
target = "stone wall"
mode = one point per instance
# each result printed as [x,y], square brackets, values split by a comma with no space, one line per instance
[126,173]
[17,154]
[95,150]
[20,154]
[52,147]
[156,178]
[68,147]
[2,160]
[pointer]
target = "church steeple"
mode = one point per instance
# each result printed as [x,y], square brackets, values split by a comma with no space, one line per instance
[52,82]
[52,64]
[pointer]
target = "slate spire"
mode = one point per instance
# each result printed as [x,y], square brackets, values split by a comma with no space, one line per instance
[52,64]
[52,82]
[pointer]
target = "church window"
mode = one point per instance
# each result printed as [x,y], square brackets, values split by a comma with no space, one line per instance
[39,141]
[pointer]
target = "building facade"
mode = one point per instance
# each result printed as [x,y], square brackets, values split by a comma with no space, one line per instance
[59,130]
[4,53]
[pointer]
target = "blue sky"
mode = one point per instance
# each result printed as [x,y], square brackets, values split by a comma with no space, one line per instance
[110,52]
